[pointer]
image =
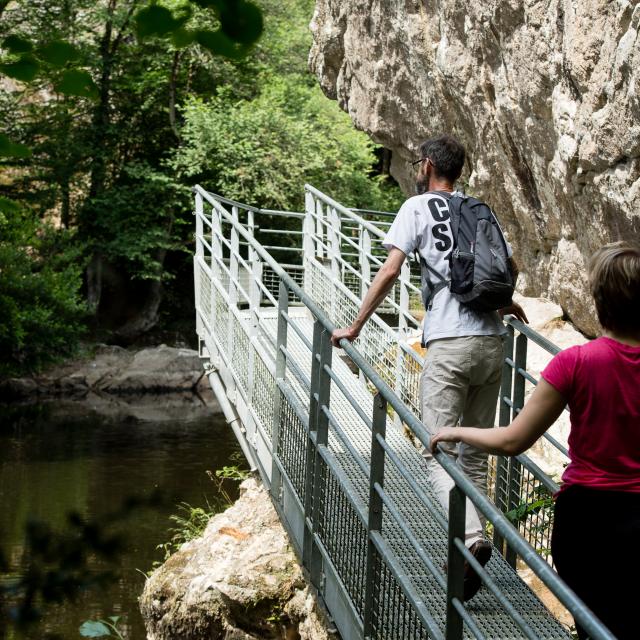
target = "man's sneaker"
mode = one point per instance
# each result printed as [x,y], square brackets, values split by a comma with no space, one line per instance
[481,551]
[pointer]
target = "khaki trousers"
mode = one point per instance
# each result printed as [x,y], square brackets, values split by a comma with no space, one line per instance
[460,383]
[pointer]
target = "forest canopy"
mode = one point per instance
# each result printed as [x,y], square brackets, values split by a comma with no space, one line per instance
[111,110]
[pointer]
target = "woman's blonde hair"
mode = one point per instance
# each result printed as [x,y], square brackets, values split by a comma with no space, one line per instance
[614,278]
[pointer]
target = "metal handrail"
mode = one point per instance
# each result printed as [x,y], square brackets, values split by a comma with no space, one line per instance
[484,505]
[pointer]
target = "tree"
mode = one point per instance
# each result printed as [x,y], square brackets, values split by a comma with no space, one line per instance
[107,99]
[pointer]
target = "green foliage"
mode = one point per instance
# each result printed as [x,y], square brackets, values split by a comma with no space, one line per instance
[10,149]
[134,219]
[101,628]
[190,522]
[16,44]
[75,82]
[240,25]
[264,150]
[127,108]
[58,53]
[40,303]
[538,501]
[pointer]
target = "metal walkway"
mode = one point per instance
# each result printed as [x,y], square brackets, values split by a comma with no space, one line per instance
[349,484]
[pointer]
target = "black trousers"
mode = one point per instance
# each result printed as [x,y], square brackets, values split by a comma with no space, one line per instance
[596,550]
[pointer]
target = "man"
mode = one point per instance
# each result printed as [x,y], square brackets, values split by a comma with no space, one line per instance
[461,377]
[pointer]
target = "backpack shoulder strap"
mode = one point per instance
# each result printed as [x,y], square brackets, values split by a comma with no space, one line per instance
[455,211]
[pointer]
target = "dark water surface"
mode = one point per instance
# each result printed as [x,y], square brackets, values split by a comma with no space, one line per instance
[50,465]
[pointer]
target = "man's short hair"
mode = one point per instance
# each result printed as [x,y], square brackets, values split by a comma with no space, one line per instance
[446,154]
[614,278]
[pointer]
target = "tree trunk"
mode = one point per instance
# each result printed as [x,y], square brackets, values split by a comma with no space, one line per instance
[65,214]
[101,118]
[172,95]
[146,318]
[94,282]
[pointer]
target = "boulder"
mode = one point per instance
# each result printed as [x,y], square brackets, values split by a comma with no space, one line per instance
[115,371]
[240,579]
[543,96]
[155,369]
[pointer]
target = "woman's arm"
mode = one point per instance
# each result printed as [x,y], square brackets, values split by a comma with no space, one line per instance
[538,414]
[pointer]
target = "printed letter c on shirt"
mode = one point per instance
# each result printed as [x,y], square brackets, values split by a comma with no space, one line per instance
[439,209]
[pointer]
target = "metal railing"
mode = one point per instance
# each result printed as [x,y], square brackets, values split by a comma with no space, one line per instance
[348,485]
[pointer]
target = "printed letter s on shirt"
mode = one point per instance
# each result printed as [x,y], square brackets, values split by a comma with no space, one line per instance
[441,234]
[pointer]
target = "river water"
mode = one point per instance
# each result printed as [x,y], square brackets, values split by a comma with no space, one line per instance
[51,465]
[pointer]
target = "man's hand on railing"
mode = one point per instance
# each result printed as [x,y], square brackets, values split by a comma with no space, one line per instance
[516,311]
[349,333]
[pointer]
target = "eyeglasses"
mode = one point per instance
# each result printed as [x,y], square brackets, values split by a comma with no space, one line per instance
[418,161]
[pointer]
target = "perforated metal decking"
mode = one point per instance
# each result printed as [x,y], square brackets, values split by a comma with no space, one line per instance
[340,524]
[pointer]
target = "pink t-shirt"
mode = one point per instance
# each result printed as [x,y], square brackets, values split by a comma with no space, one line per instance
[601,382]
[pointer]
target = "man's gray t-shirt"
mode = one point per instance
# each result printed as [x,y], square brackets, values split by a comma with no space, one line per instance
[422,224]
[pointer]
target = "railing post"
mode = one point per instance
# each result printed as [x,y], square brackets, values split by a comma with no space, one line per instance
[376,479]
[199,212]
[403,281]
[365,263]
[319,229]
[320,395]
[333,236]
[216,260]
[281,372]
[308,253]
[455,562]
[199,255]
[233,280]
[515,468]
[255,297]
[233,260]
[307,226]
[504,418]
[402,332]
[251,228]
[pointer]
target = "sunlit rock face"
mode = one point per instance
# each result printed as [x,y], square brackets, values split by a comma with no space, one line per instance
[544,95]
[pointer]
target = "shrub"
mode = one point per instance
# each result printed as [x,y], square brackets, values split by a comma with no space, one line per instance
[41,309]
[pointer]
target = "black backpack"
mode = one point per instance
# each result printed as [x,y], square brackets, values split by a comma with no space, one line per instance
[481,273]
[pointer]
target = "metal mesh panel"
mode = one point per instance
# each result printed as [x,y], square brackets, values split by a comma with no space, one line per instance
[240,355]
[317,285]
[375,343]
[499,493]
[352,281]
[525,501]
[292,446]
[221,324]
[531,510]
[342,533]
[410,387]
[271,280]
[381,352]
[263,392]
[204,292]
[392,615]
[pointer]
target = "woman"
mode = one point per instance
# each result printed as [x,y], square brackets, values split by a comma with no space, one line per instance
[596,533]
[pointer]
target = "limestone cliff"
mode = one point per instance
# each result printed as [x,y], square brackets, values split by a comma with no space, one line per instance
[544,96]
